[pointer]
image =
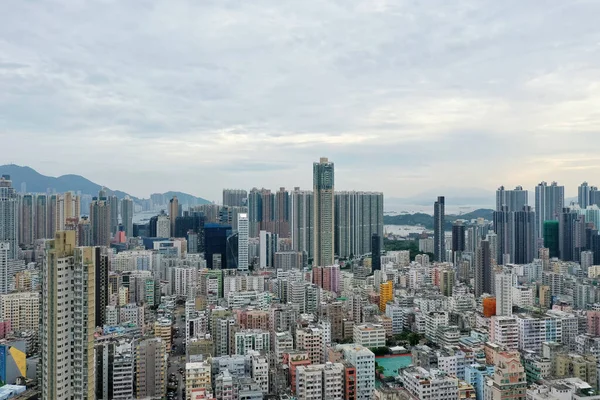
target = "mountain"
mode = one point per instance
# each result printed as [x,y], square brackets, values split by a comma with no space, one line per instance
[38,183]
[426,220]
[454,195]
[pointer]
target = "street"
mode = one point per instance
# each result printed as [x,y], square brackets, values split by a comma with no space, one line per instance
[177,360]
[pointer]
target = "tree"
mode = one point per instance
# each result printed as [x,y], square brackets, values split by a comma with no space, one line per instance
[414,339]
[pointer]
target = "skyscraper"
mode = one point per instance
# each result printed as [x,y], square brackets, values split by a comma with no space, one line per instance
[282,213]
[151,367]
[502,220]
[515,199]
[522,247]
[4,257]
[26,222]
[113,201]
[127,215]
[234,197]
[173,213]
[67,320]
[551,238]
[324,219]
[52,216]
[586,195]
[483,269]
[566,234]
[458,240]
[9,216]
[503,292]
[439,237]
[41,217]
[302,224]
[549,202]
[375,252]
[101,263]
[100,220]
[243,230]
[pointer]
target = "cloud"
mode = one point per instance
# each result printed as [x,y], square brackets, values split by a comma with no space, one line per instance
[401,95]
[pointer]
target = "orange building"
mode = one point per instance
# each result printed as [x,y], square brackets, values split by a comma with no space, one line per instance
[386,293]
[489,307]
[294,360]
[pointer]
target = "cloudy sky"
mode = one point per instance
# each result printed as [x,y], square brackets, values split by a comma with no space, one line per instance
[197,95]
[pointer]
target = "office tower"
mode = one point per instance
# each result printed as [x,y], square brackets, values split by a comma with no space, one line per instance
[503,292]
[100,220]
[514,200]
[549,202]
[268,247]
[386,294]
[114,371]
[173,214]
[234,197]
[523,240]
[483,269]
[551,237]
[282,213]
[26,220]
[151,368]
[231,251]
[302,222]
[357,215]
[566,234]
[215,245]
[458,240]
[243,231]
[586,195]
[9,216]
[324,223]
[439,237]
[127,216]
[67,320]
[375,252]
[113,201]
[41,217]
[447,281]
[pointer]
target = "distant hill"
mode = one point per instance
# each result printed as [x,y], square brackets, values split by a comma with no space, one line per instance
[426,220]
[38,183]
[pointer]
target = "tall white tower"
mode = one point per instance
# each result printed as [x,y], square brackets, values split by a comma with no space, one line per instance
[243,232]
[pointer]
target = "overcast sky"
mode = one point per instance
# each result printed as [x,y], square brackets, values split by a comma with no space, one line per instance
[149,96]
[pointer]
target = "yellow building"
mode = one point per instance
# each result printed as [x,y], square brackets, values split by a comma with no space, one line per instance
[162,329]
[545,296]
[576,366]
[386,293]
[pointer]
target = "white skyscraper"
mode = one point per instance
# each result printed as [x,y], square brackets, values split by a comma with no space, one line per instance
[243,232]
[9,216]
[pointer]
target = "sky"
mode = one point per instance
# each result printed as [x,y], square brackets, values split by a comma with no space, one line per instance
[403,96]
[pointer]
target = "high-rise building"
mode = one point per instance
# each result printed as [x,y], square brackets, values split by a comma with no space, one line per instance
[52,216]
[268,247]
[302,223]
[67,320]
[363,360]
[9,216]
[100,220]
[22,309]
[173,213]
[483,269]
[458,240]
[27,221]
[113,202]
[127,216]
[101,262]
[357,215]
[151,368]
[320,382]
[503,292]
[514,200]
[234,197]
[502,220]
[282,213]
[375,252]
[4,263]
[509,380]
[243,232]
[549,202]
[261,211]
[324,219]
[523,240]
[439,237]
[41,217]
[447,281]
[566,234]
[551,238]
[585,195]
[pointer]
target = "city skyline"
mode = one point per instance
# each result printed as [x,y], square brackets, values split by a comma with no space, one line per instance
[394,93]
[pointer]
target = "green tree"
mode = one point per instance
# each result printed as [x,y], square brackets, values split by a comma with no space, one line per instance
[414,339]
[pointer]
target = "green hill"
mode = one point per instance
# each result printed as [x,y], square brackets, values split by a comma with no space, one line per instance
[426,220]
